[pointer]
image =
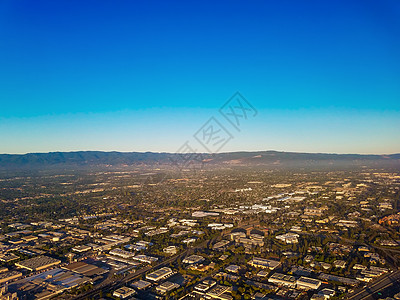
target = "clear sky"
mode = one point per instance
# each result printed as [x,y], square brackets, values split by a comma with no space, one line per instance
[324,76]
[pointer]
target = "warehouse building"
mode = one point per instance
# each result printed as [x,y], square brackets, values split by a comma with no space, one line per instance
[141,284]
[264,263]
[124,292]
[306,283]
[81,248]
[8,276]
[38,263]
[160,274]
[166,287]
[283,280]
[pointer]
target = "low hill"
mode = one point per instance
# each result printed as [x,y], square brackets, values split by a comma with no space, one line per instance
[260,158]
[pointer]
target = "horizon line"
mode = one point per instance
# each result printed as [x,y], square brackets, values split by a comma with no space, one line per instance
[224,152]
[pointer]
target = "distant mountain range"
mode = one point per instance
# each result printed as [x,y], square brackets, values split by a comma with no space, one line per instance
[260,158]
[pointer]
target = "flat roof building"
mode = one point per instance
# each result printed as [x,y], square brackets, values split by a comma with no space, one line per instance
[219,292]
[339,264]
[205,285]
[7,276]
[145,258]
[283,280]
[81,248]
[8,257]
[124,292]
[288,238]
[221,245]
[121,253]
[170,250]
[85,269]
[345,280]
[327,293]
[160,274]
[166,287]
[38,263]
[307,283]
[233,268]
[193,259]
[141,284]
[264,263]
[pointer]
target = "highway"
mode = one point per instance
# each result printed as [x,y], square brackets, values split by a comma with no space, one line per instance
[371,290]
[110,284]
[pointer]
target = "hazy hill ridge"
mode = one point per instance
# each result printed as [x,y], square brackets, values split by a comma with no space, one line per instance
[96,158]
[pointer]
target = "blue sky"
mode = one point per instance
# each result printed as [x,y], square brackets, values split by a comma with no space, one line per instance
[145,76]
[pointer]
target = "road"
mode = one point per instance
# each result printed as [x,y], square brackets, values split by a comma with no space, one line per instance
[111,284]
[371,290]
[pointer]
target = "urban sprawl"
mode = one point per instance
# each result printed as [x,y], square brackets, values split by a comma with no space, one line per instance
[214,234]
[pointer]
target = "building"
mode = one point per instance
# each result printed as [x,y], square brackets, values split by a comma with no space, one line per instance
[313,212]
[158,231]
[189,240]
[85,269]
[233,268]
[339,264]
[205,285]
[283,280]
[193,259]
[306,283]
[371,273]
[347,223]
[8,276]
[221,245]
[145,258]
[237,235]
[141,284]
[202,214]
[202,267]
[219,292]
[344,280]
[166,287]
[251,241]
[288,238]
[111,241]
[139,246]
[359,267]
[171,250]
[6,295]
[326,293]
[264,263]
[160,274]
[308,258]
[30,238]
[208,289]
[124,292]
[122,253]
[8,257]
[81,248]
[385,205]
[49,284]
[38,263]
[262,273]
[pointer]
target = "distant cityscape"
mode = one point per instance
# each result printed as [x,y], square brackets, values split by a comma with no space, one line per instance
[225,232]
